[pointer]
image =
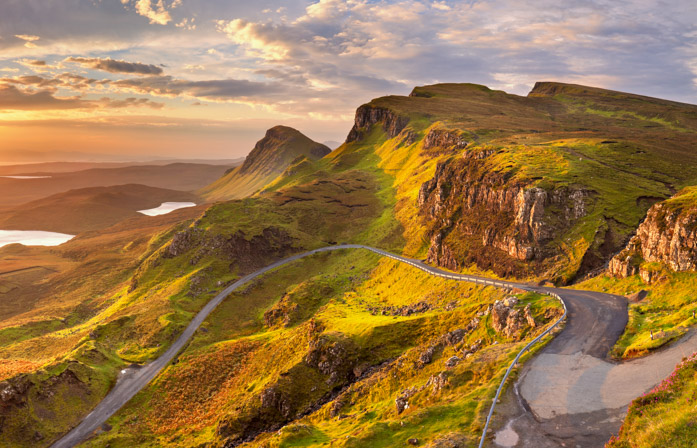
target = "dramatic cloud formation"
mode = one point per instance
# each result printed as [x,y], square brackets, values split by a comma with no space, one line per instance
[112,66]
[312,62]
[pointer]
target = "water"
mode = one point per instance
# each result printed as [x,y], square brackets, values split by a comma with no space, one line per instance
[166,207]
[26,177]
[33,238]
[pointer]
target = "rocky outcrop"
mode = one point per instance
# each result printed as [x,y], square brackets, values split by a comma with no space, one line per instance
[447,139]
[335,358]
[486,212]
[668,236]
[249,253]
[368,115]
[508,320]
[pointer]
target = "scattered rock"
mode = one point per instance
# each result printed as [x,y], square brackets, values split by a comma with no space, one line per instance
[452,362]
[426,356]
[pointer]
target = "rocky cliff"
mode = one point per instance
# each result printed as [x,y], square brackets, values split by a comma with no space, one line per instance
[367,115]
[478,215]
[667,236]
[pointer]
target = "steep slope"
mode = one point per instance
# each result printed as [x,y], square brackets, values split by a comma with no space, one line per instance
[270,157]
[87,209]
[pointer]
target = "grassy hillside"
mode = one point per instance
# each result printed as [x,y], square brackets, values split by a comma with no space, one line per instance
[281,147]
[546,186]
[87,209]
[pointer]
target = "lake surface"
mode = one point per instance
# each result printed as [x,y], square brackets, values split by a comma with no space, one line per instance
[33,238]
[26,177]
[166,207]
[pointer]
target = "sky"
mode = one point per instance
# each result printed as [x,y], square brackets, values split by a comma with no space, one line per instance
[140,79]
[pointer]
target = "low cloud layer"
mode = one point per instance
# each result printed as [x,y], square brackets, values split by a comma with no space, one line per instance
[113,66]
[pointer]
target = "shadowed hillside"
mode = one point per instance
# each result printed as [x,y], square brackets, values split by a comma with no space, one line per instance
[86,209]
[175,176]
[270,157]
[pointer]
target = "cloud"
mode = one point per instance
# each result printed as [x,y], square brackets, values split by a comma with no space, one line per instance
[115,66]
[28,39]
[213,90]
[157,11]
[13,98]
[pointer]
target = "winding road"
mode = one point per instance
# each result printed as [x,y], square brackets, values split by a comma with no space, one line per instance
[568,392]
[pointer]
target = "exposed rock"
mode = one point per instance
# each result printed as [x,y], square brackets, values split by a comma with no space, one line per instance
[448,139]
[438,382]
[478,215]
[452,361]
[367,115]
[667,236]
[413,442]
[455,336]
[402,401]
[335,358]
[637,296]
[528,316]
[426,356]
[248,253]
[406,310]
[507,320]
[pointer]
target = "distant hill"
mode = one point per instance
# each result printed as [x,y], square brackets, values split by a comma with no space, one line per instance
[175,176]
[70,167]
[87,209]
[270,157]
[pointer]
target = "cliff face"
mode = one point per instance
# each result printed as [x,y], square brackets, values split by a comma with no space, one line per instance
[367,115]
[477,215]
[668,236]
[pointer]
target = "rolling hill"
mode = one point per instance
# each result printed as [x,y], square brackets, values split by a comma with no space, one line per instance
[86,209]
[174,176]
[280,147]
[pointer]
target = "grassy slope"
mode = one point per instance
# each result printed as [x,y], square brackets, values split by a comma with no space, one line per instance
[664,416]
[237,356]
[271,156]
[363,192]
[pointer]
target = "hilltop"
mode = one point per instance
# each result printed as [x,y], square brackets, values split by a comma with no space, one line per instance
[281,147]
[348,347]
[81,210]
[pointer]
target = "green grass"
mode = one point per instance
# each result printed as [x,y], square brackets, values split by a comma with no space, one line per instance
[666,415]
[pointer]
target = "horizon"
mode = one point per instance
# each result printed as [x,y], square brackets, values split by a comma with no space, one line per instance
[173,78]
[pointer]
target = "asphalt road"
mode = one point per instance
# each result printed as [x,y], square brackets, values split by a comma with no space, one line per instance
[595,321]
